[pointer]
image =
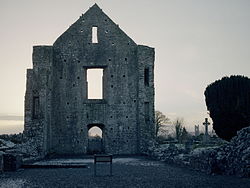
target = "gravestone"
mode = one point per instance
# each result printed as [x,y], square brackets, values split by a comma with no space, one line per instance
[196,130]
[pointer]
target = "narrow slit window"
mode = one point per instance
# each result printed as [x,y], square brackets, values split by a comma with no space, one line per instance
[146,77]
[146,110]
[95,83]
[94,35]
[35,107]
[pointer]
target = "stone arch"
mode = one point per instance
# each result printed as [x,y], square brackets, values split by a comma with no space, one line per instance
[96,143]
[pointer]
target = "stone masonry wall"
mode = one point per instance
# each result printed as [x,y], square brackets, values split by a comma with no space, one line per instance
[39,88]
[59,78]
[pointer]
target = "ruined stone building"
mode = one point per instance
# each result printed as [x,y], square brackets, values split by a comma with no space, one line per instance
[58,111]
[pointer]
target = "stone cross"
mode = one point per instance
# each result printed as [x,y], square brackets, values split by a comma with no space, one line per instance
[206,137]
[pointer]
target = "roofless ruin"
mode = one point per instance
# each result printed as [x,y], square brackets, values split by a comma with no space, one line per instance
[58,110]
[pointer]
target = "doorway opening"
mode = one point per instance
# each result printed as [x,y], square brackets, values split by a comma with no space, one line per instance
[95,139]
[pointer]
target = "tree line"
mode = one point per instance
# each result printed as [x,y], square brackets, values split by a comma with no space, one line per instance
[163,126]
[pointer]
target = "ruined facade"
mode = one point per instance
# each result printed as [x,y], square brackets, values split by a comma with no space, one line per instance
[58,113]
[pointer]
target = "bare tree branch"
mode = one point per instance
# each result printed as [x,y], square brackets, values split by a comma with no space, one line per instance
[160,122]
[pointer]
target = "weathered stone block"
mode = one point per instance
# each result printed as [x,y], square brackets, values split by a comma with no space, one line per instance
[11,162]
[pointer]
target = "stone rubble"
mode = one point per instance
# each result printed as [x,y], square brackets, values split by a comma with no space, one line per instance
[232,158]
[14,155]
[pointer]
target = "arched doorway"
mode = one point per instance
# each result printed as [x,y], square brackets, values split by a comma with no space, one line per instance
[95,139]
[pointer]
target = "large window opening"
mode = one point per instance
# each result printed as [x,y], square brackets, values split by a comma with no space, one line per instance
[94,35]
[95,83]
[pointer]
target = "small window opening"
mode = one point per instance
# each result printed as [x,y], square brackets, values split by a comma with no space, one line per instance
[95,81]
[94,35]
[146,77]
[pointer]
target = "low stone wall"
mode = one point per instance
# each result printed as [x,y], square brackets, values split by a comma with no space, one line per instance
[230,159]
[28,149]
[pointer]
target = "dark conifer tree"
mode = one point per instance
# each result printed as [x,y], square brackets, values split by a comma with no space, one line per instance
[228,102]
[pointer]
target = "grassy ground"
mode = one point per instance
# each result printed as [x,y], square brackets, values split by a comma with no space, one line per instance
[127,172]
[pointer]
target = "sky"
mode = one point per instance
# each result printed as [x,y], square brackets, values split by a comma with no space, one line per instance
[196,42]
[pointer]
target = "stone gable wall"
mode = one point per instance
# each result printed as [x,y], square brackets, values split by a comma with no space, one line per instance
[59,79]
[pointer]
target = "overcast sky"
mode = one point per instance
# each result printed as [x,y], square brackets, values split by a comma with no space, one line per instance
[196,42]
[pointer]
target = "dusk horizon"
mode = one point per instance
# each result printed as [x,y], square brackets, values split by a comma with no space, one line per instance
[195,44]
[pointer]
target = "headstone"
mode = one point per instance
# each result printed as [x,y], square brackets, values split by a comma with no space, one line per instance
[196,130]
[206,136]
[188,146]
[213,132]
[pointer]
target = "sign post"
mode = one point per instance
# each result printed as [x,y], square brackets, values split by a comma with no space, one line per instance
[103,159]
